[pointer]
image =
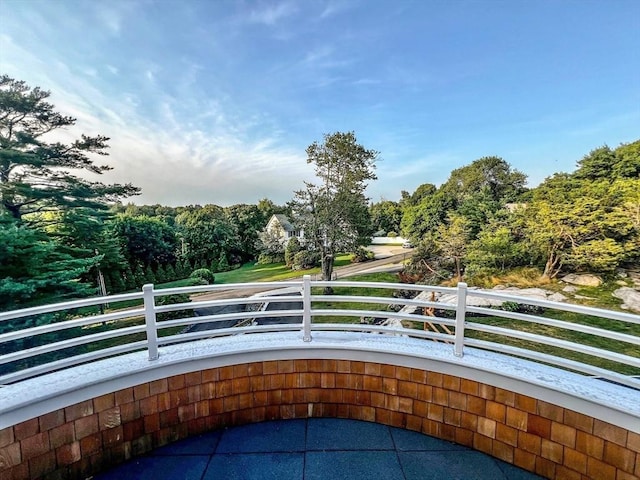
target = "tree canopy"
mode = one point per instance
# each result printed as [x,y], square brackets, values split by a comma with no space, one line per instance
[52,220]
[334,213]
[37,173]
[482,219]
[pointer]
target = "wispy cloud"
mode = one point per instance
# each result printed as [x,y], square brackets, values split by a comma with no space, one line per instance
[110,19]
[272,13]
[334,8]
[195,150]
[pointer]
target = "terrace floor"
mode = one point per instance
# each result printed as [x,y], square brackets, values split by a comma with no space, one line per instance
[315,449]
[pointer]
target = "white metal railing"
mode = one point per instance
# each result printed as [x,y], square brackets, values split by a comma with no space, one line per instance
[610,350]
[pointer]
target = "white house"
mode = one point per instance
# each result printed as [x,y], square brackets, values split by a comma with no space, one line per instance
[280,225]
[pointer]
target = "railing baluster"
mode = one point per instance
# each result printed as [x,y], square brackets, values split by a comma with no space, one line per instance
[150,320]
[461,312]
[306,308]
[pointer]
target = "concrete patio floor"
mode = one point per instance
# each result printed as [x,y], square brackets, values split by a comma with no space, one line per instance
[315,449]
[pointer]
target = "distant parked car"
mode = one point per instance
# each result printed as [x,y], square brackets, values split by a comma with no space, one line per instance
[407,245]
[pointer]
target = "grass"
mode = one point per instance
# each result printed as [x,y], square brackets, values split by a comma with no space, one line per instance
[253,272]
[526,277]
[353,291]
[569,335]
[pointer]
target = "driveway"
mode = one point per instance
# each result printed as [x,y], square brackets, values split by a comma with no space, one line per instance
[384,251]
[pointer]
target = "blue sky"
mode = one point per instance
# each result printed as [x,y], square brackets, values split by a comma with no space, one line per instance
[215,101]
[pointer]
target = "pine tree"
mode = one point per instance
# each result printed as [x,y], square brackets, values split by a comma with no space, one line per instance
[170,275]
[37,176]
[117,283]
[223,263]
[161,274]
[149,276]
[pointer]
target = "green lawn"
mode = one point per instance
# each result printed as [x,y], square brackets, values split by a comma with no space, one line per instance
[253,272]
[356,291]
[569,335]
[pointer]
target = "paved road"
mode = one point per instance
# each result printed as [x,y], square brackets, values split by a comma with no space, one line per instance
[391,263]
[274,306]
[201,312]
[388,264]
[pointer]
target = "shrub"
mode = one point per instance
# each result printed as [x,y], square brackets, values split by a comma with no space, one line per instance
[305,259]
[362,255]
[293,247]
[392,234]
[268,258]
[170,273]
[170,300]
[203,273]
[149,276]
[223,262]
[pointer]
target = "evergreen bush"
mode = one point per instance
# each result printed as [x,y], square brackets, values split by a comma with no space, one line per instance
[203,273]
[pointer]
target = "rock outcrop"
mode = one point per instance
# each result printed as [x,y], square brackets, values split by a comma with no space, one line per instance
[630,298]
[585,280]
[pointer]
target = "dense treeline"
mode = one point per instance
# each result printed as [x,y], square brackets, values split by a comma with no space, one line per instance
[62,236]
[483,220]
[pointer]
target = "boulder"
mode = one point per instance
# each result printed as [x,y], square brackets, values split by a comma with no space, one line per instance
[537,293]
[630,298]
[556,297]
[585,280]
[570,289]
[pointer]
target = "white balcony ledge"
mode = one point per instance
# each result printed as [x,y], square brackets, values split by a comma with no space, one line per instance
[606,401]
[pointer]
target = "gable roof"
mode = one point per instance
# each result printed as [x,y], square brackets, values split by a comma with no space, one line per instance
[284,222]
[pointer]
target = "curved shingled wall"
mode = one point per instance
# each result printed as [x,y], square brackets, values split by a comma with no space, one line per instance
[87,437]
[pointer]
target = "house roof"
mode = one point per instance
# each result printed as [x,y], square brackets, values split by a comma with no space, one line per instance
[284,221]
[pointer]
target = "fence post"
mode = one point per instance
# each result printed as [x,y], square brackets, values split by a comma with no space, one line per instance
[461,312]
[306,308]
[150,320]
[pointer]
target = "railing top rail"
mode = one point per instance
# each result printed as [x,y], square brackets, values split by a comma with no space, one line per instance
[56,307]
[227,286]
[568,307]
[393,286]
[23,346]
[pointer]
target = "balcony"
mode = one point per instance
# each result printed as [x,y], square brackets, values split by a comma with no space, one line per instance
[84,394]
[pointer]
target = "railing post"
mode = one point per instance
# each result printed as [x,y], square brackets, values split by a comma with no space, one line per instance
[461,313]
[150,320]
[306,308]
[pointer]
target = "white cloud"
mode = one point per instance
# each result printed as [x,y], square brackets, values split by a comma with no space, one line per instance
[194,151]
[334,8]
[271,14]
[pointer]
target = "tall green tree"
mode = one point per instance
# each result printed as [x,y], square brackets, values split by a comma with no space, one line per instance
[249,221]
[35,269]
[334,213]
[495,249]
[571,220]
[386,216]
[206,233]
[476,191]
[423,218]
[84,233]
[452,239]
[144,240]
[605,163]
[37,175]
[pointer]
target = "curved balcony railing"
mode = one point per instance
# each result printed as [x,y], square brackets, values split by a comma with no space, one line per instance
[593,342]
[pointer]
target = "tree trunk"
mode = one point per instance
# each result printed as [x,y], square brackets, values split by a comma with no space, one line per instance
[550,268]
[327,271]
[458,270]
[13,210]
